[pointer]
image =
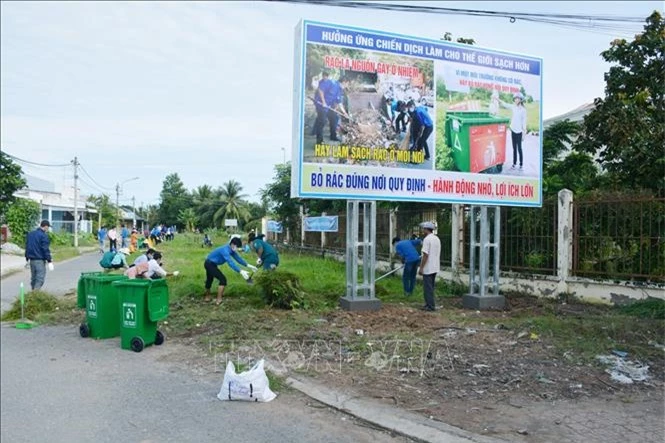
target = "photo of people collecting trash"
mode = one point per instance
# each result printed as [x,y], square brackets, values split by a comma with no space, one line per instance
[357,111]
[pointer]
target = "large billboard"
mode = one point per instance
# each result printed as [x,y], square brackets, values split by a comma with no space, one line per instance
[382,116]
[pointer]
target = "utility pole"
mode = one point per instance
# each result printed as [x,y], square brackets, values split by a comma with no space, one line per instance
[117,203]
[133,212]
[76,203]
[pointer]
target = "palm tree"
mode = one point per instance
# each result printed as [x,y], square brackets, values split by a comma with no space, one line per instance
[206,202]
[232,202]
[188,218]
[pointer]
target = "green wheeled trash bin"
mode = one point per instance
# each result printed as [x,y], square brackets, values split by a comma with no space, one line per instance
[477,140]
[102,309]
[143,303]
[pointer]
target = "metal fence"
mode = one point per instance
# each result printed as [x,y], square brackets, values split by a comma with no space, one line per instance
[618,239]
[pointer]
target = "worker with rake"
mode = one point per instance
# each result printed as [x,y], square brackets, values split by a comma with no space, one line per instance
[328,102]
[406,250]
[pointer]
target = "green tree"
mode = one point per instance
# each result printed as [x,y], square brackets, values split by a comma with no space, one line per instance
[22,216]
[626,129]
[232,203]
[188,218]
[277,196]
[205,201]
[106,208]
[10,182]
[173,198]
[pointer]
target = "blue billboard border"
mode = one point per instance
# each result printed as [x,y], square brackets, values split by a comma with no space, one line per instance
[301,112]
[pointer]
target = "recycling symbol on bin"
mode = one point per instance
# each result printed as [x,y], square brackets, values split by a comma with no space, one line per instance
[129,315]
[92,306]
[456,144]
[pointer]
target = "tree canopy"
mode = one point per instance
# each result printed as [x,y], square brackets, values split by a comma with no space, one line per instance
[11,181]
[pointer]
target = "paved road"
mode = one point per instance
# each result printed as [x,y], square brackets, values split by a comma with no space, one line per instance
[61,281]
[59,387]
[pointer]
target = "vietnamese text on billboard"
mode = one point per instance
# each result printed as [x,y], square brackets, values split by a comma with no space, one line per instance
[387,117]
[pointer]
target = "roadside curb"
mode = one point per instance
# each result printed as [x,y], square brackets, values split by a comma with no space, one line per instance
[390,418]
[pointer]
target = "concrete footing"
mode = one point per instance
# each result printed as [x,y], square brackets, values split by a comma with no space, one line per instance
[483,303]
[360,304]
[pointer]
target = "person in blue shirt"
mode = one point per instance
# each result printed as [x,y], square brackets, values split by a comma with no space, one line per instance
[224,254]
[101,237]
[406,250]
[327,99]
[38,253]
[267,255]
[421,127]
[124,235]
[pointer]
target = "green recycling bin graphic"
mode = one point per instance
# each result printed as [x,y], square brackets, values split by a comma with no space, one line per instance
[129,315]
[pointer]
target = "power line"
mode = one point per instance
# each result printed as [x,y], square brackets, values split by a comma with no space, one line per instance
[93,180]
[35,163]
[583,22]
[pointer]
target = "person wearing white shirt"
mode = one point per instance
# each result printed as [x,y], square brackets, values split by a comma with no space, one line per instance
[429,264]
[517,126]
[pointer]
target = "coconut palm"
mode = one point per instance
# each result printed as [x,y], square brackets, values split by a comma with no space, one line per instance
[188,218]
[232,202]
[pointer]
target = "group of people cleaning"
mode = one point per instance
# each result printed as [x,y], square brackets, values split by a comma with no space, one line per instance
[403,114]
[127,239]
[149,264]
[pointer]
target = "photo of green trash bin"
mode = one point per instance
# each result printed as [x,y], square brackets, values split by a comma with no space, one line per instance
[143,303]
[477,140]
[102,308]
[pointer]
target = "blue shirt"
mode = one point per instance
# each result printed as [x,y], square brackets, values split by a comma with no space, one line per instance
[422,115]
[124,233]
[37,246]
[101,234]
[407,250]
[332,92]
[223,255]
[393,109]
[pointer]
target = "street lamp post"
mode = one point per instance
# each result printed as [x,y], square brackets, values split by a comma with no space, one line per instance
[118,190]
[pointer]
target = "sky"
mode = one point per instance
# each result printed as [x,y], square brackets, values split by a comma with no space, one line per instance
[145,89]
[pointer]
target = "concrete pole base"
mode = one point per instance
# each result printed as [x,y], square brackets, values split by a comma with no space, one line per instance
[360,304]
[485,302]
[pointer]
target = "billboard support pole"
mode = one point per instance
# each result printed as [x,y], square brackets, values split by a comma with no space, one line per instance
[484,255]
[360,271]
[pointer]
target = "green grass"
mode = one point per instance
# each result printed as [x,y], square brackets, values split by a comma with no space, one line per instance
[574,329]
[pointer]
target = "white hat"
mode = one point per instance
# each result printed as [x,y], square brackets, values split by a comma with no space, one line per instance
[428,225]
[124,251]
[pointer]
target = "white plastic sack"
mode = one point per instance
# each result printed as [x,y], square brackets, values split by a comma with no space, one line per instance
[251,385]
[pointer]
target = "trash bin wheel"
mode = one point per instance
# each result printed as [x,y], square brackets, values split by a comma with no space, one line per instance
[137,344]
[84,330]
[159,338]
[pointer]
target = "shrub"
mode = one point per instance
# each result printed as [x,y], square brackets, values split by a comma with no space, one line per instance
[281,289]
[649,308]
[22,216]
[36,302]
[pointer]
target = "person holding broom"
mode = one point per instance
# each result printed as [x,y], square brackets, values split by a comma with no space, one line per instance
[406,250]
[224,254]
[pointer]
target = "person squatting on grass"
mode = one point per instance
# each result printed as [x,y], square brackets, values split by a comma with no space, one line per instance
[267,255]
[219,256]
[151,268]
[406,250]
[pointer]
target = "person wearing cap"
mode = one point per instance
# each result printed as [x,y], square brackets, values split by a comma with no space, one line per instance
[120,259]
[422,127]
[406,250]
[267,255]
[224,254]
[38,254]
[517,126]
[429,264]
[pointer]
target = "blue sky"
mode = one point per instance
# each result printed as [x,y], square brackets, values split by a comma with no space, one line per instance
[205,89]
